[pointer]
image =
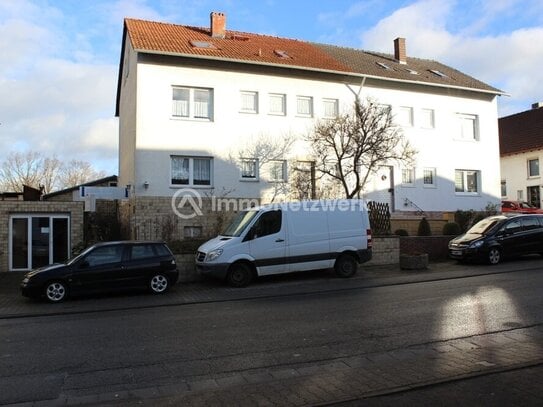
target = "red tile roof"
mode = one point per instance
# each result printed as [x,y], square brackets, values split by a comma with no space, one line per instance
[521,132]
[178,40]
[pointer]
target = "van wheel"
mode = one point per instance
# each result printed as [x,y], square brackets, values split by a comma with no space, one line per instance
[494,255]
[345,266]
[240,275]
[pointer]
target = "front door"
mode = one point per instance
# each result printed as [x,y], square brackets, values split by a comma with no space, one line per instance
[534,197]
[37,240]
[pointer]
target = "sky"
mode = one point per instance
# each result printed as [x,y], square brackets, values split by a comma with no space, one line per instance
[59,59]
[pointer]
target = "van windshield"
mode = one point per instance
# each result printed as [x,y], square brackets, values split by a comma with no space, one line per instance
[483,226]
[239,223]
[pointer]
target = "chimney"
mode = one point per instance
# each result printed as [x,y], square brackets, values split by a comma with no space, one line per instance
[399,50]
[218,25]
[537,105]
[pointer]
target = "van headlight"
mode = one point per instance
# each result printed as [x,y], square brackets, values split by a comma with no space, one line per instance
[477,244]
[213,254]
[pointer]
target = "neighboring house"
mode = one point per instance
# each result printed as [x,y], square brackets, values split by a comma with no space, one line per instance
[194,102]
[521,151]
[100,187]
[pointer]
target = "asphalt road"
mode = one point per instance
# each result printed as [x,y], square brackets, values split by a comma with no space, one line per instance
[81,356]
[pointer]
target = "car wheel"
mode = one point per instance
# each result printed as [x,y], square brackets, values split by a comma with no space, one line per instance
[345,266]
[240,275]
[159,284]
[56,291]
[494,255]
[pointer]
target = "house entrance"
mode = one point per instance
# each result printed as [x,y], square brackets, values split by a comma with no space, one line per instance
[534,196]
[37,240]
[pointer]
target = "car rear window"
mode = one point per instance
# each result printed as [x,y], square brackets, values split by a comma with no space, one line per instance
[141,251]
[162,250]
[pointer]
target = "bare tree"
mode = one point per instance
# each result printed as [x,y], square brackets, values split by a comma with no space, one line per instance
[35,170]
[77,172]
[349,148]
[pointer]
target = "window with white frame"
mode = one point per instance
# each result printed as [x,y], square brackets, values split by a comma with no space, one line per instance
[331,108]
[278,104]
[504,188]
[304,106]
[427,118]
[467,127]
[467,181]
[408,176]
[249,169]
[192,103]
[278,170]
[533,167]
[404,117]
[193,171]
[429,177]
[249,102]
[520,195]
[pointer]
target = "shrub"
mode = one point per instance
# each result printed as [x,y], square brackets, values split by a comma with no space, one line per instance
[424,228]
[451,229]
[187,246]
[401,232]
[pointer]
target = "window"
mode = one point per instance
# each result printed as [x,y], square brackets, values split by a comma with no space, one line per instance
[105,255]
[192,231]
[429,177]
[504,188]
[533,167]
[331,108]
[466,181]
[141,251]
[278,170]
[427,118]
[191,171]
[468,127]
[249,169]
[408,176]
[304,106]
[520,195]
[404,116]
[192,103]
[268,223]
[249,102]
[278,104]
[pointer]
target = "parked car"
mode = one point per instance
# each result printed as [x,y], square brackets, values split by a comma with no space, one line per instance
[519,207]
[108,266]
[288,237]
[497,237]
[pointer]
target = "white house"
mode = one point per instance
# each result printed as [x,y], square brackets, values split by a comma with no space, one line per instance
[521,151]
[194,105]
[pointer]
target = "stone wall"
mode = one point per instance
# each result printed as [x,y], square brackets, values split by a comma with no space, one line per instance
[7,208]
[412,225]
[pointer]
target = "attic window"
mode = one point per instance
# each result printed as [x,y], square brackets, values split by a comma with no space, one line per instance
[384,66]
[202,44]
[412,71]
[438,73]
[281,54]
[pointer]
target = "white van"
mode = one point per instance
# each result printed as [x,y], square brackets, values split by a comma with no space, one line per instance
[288,237]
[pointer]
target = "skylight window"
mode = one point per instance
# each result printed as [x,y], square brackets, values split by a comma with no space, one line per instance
[438,73]
[412,71]
[281,54]
[384,66]
[202,44]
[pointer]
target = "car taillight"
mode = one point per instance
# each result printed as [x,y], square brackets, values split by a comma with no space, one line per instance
[368,235]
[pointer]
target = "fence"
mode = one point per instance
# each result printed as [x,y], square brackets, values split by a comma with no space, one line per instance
[379,214]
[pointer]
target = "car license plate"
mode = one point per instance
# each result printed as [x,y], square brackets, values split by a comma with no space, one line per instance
[456,252]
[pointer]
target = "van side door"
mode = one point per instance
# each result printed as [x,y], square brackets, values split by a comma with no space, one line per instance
[267,243]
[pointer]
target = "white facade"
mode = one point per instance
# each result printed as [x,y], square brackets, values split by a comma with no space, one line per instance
[447,156]
[521,177]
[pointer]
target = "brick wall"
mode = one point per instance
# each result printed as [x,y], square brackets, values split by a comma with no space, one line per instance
[412,225]
[7,208]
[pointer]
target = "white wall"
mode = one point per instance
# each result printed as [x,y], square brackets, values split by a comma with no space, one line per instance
[159,135]
[514,170]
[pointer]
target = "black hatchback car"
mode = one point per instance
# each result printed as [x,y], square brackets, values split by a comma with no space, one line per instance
[497,237]
[108,266]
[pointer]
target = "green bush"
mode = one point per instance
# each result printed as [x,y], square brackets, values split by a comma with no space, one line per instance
[187,246]
[401,232]
[424,228]
[451,229]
